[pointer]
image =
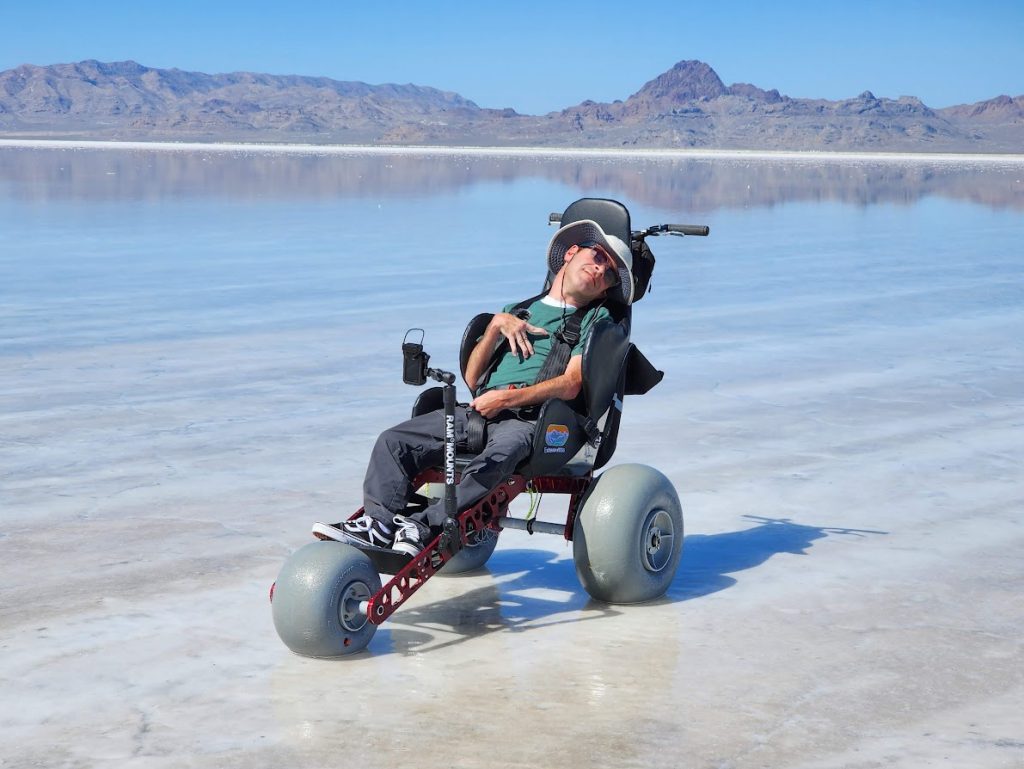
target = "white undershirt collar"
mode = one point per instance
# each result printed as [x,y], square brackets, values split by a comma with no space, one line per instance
[557,303]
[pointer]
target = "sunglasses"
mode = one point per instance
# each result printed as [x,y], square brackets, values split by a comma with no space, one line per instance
[603,259]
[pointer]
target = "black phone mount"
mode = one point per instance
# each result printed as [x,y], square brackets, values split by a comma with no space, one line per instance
[416,372]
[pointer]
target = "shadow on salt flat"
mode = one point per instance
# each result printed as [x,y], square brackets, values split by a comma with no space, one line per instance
[531,589]
[708,559]
[525,590]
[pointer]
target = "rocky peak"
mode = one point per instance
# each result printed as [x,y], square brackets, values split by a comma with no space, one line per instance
[687,81]
[1000,108]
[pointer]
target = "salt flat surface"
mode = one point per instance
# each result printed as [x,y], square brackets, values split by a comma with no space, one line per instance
[188,379]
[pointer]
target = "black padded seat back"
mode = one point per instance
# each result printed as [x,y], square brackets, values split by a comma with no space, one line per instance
[476,328]
[603,360]
[604,357]
[559,437]
[604,378]
[612,368]
[562,427]
[428,400]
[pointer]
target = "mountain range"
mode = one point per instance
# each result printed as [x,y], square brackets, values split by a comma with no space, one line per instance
[686,107]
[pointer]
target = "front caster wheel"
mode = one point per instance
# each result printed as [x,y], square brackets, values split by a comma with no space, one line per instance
[318,600]
[628,536]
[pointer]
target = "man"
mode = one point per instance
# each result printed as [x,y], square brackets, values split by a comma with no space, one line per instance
[590,266]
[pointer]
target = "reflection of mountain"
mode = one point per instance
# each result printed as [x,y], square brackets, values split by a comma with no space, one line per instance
[687,106]
[683,185]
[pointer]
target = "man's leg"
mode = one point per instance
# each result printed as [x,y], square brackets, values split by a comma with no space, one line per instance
[509,441]
[399,455]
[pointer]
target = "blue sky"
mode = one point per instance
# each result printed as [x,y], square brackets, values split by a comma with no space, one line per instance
[541,56]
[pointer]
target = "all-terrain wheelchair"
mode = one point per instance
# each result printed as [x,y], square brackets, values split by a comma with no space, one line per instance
[626,523]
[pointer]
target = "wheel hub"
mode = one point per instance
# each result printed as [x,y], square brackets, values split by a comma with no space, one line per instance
[349,614]
[658,540]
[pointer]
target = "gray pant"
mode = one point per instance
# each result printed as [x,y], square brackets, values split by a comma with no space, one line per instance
[418,444]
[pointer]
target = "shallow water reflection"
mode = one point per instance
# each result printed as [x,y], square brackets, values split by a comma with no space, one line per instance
[690,184]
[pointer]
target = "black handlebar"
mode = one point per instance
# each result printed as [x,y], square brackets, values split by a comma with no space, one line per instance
[700,230]
[690,229]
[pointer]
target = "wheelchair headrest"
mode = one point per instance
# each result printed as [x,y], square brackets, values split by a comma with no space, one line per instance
[610,214]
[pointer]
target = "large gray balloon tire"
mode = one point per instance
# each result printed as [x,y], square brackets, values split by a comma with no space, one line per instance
[316,600]
[628,535]
[472,557]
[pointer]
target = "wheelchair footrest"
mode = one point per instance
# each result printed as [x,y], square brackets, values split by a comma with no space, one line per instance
[384,560]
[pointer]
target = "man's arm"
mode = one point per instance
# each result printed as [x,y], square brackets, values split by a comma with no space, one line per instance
[503,325]
[566,386]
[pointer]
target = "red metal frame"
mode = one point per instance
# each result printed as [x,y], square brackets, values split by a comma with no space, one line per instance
[484,514]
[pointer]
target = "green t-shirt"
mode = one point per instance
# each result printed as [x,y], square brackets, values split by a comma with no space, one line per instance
[547,314]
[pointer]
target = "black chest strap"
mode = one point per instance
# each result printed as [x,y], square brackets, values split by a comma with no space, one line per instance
[562,343]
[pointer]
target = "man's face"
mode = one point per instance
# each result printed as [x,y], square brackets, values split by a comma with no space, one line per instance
[590,270]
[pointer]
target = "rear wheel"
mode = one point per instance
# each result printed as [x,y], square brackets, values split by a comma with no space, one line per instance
[317,600]
[628,536]
[474,554]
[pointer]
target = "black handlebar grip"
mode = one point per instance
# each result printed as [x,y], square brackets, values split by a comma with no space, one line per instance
[690,229]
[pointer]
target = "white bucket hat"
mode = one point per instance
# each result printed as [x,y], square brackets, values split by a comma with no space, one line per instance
[589,231]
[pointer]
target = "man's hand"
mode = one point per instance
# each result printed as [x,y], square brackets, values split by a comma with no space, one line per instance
[516,331]
[566,386]
[492,402]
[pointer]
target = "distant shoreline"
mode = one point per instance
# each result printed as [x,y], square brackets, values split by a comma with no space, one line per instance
[560,152]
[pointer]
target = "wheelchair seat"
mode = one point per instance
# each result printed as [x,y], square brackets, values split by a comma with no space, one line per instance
[575,438]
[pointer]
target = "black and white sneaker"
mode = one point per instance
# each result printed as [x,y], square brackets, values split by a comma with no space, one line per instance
[363,530]
[409,536]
